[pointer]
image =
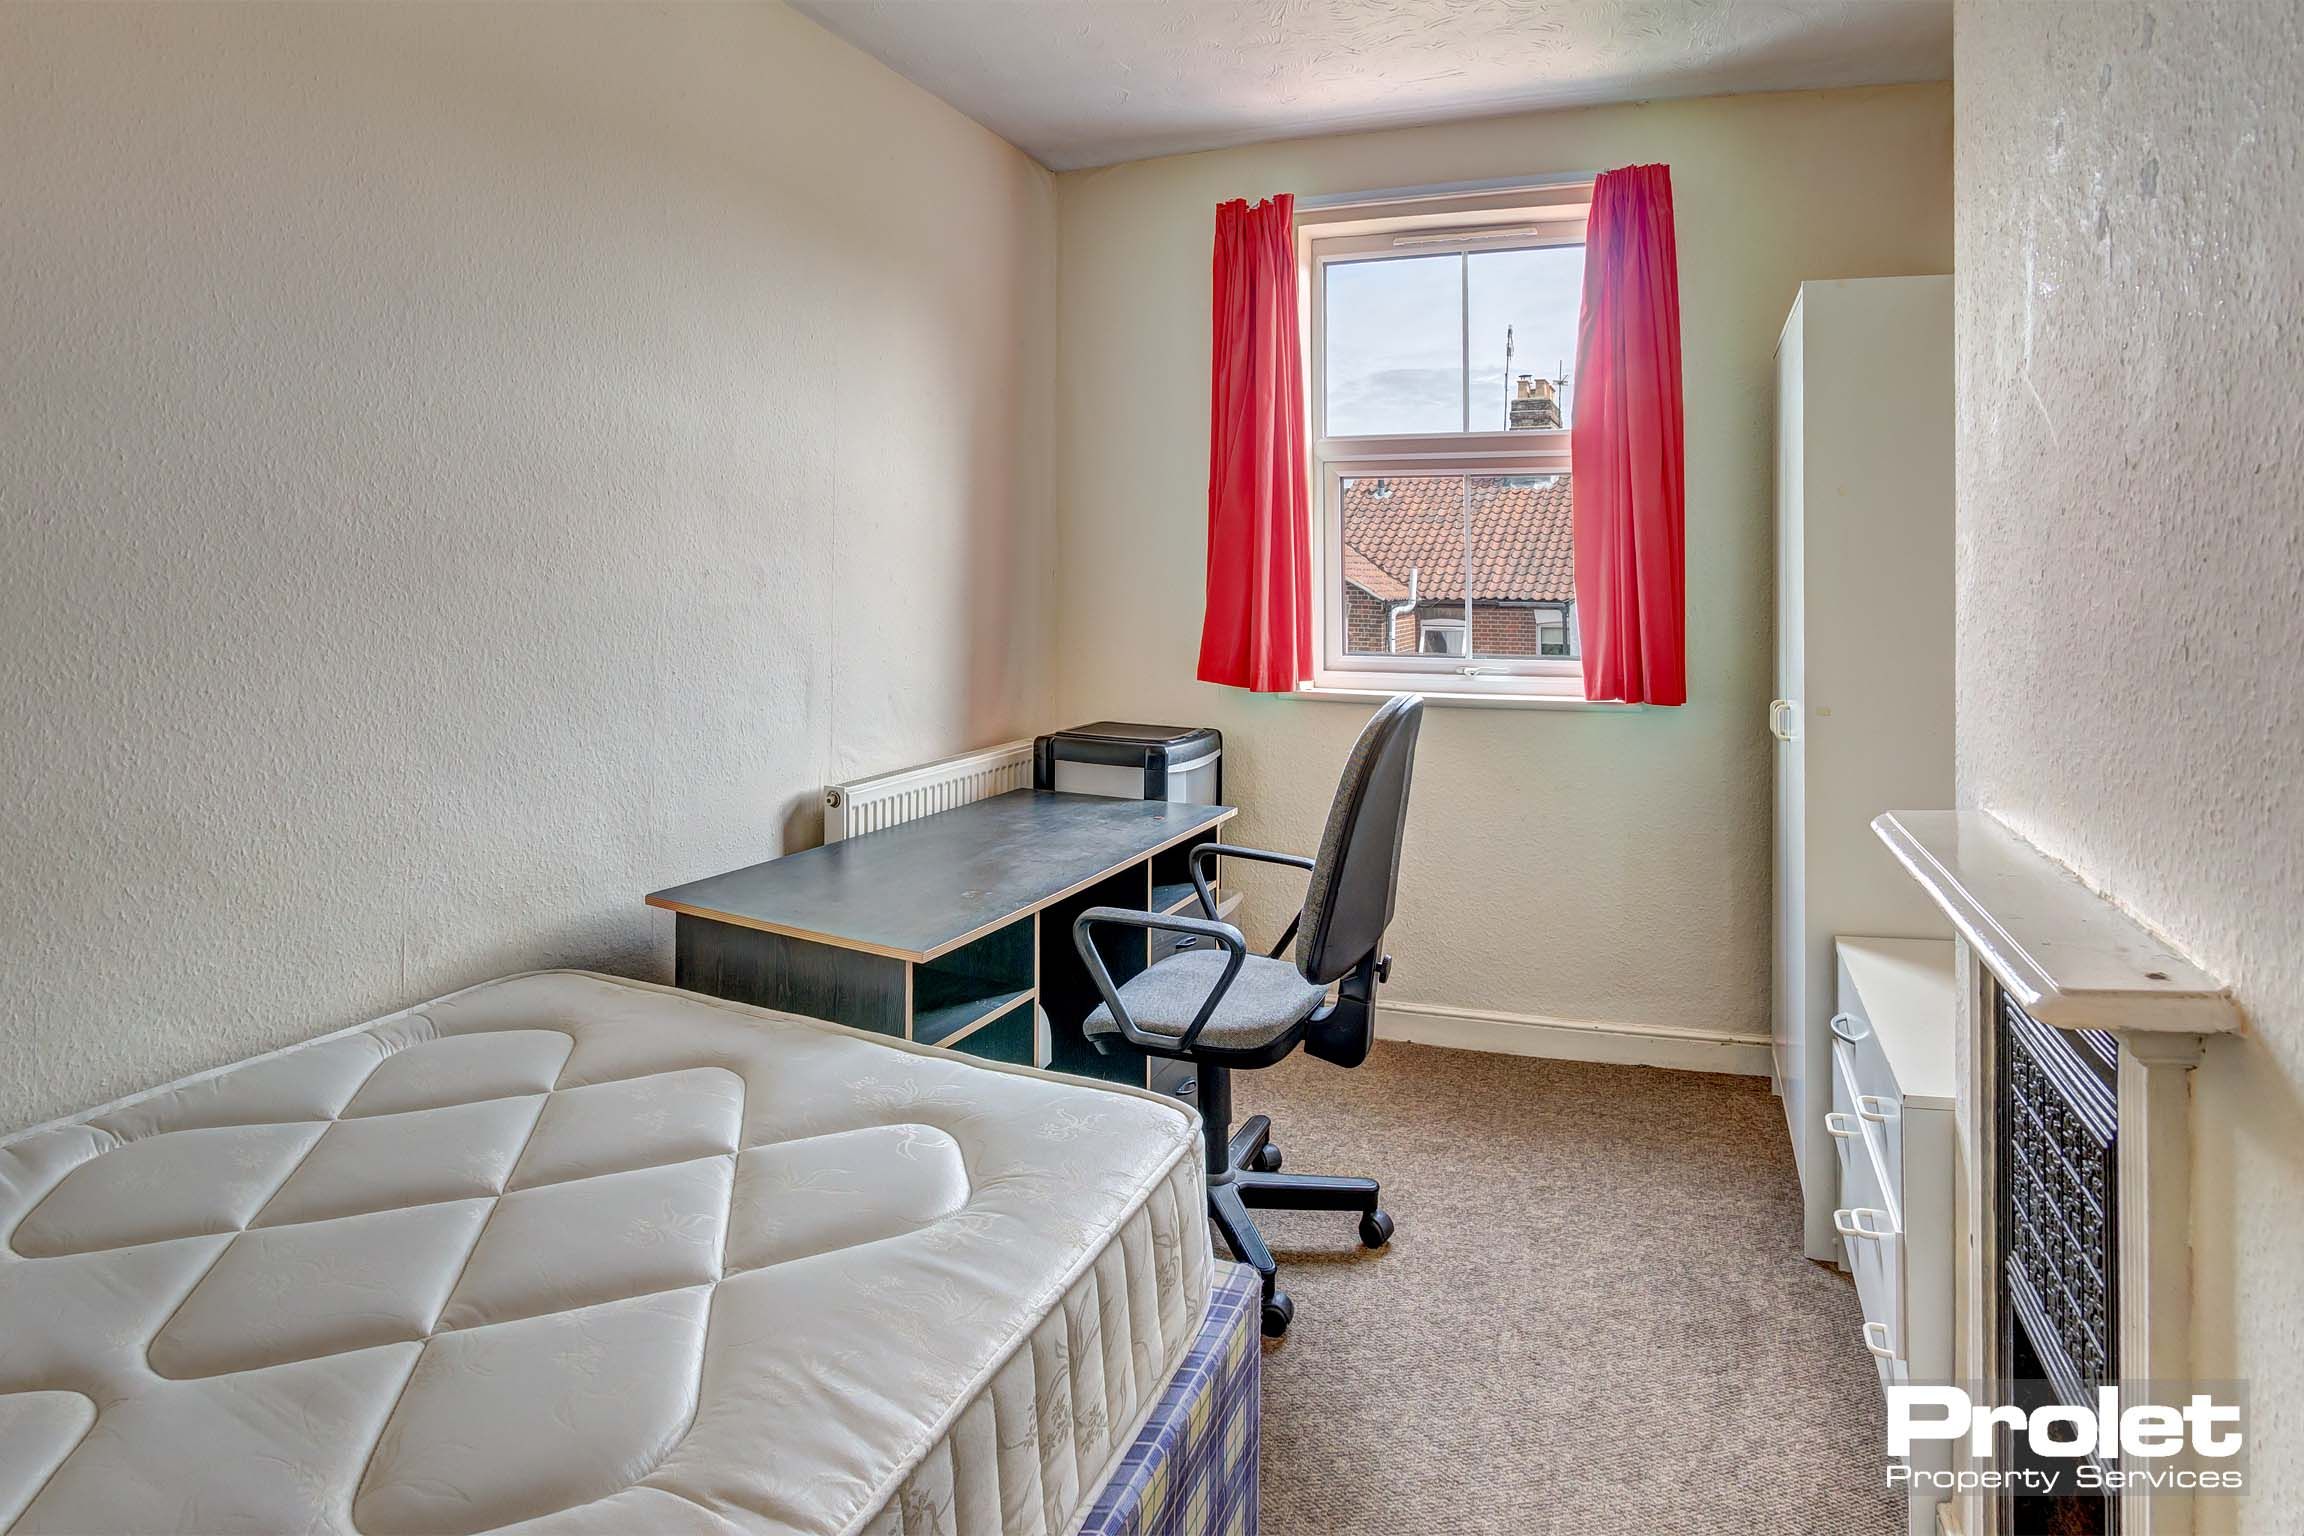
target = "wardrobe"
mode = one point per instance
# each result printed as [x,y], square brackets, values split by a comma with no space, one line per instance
[1862,718]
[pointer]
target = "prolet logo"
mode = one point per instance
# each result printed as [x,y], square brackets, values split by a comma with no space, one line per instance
[2108,1429]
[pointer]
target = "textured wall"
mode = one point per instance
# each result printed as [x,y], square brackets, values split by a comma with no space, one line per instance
[464,468]
[1607,866]
[2131,194]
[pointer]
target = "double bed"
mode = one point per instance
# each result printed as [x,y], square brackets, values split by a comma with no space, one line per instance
[568,1253]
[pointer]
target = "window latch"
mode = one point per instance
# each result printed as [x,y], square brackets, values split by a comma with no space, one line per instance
[1472,672]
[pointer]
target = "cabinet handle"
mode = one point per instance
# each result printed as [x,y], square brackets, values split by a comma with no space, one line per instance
[1878,1343]
[1874,1108]
[1781,713]
[1852,1223]
[1843,1125]
[1849,1027]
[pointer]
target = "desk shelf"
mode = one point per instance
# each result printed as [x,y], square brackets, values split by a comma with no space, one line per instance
[947,1010]
[958,993]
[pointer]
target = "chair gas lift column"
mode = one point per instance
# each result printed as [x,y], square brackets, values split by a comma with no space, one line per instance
[1224,1008]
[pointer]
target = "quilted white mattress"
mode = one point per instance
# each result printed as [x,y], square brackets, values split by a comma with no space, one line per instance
[564,1253]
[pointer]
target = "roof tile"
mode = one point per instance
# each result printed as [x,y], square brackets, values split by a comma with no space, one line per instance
[1520,547]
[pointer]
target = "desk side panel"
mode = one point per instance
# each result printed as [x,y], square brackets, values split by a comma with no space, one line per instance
[769,970]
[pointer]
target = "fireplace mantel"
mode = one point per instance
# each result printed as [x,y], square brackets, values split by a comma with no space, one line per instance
[2073,960]
[2070,957]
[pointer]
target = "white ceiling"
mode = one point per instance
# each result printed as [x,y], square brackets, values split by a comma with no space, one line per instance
[1093,82]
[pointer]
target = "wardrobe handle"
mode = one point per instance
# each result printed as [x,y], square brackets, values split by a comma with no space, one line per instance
[1852,1224]
[1780,716]
[1878,1343]
[1843,1125]
[1874,1108]
[1849,1027]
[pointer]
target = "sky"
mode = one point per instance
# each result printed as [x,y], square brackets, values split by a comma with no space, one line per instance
[1397,331]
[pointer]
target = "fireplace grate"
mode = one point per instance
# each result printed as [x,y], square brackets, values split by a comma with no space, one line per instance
[2058,1200]
[2060,1120]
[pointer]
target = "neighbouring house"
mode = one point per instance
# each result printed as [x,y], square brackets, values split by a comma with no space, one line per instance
[1459,565]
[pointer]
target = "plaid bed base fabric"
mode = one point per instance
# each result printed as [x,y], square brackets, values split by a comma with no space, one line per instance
[1192,1470]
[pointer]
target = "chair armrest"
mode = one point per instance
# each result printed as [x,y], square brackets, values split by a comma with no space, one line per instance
[1206,854]
[1234,942]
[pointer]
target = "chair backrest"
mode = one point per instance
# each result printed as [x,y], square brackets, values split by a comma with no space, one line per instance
[1356,874]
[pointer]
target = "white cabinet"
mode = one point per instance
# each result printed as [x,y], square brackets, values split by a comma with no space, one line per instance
[1891,1123]
[1862,721]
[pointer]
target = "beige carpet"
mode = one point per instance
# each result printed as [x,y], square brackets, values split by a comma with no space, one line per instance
[1595,1319]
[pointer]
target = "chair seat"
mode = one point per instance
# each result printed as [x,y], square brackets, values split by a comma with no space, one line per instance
[1268,998]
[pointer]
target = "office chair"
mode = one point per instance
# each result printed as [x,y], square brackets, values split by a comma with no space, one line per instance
[1223,1008]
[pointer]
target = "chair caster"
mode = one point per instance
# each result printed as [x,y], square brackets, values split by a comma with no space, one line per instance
[1375,1230]
[1268,1158]
[1279,1312]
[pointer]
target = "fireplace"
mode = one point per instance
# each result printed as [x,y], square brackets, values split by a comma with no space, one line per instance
[2077,1034]
[2057,1294]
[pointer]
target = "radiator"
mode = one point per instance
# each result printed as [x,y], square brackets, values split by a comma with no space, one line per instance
[889,799]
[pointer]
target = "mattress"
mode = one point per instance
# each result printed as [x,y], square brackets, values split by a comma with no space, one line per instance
[564,1253]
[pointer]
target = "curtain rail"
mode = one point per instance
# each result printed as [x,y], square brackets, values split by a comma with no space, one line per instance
[1549,182]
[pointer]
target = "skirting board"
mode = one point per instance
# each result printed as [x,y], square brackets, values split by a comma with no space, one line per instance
[1521,1034]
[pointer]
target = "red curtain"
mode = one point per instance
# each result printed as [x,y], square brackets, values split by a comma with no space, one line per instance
[1629,485]
[1257,628]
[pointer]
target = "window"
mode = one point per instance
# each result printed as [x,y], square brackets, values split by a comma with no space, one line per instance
[1441,637]
[1442,333]
[1554,634]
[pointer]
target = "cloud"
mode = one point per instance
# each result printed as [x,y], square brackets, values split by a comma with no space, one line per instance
[1396,400]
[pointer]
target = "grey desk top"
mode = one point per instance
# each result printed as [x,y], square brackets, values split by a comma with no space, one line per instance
[917,890]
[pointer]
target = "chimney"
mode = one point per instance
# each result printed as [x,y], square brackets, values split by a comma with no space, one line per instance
[1535,405]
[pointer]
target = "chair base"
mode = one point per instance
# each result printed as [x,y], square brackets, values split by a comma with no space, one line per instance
[1250,1179]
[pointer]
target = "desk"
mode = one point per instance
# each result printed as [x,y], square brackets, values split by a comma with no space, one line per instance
[948,929]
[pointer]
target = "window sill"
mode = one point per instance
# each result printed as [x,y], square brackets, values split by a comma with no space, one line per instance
[1440,698]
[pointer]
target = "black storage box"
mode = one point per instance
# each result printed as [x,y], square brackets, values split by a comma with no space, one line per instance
[1133,762]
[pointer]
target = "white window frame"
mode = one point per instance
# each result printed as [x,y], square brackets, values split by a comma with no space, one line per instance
[1520,219]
